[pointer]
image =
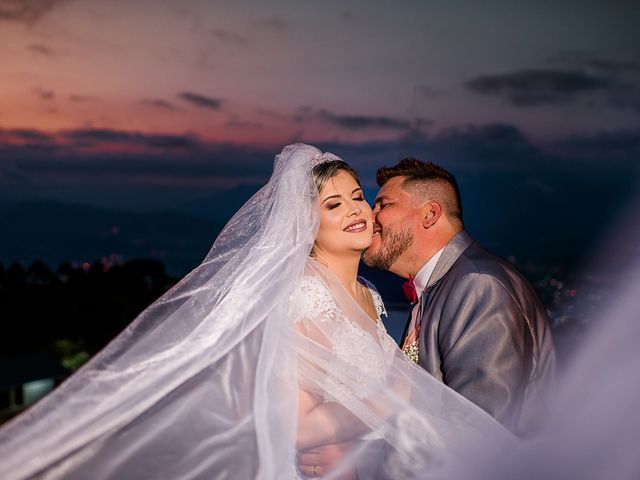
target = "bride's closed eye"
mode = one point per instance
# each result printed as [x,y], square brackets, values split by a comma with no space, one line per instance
[331,206]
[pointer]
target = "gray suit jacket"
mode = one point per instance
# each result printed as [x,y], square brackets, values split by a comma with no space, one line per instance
[485,334]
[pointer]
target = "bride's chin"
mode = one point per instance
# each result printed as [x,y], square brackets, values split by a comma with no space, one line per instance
[359,248]
[363,246]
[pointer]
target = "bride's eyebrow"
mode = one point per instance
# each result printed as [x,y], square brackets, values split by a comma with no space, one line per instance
[338,196]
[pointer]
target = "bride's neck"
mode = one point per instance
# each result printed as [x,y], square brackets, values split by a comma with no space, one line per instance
[345,267]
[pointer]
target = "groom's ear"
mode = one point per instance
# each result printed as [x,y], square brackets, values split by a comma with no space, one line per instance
[431,212]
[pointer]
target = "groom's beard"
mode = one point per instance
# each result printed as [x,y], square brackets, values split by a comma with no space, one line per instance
[394,241]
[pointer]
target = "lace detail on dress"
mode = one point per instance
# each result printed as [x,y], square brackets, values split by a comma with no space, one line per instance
[314,300]
[388,343]
[358,362]
[377,299]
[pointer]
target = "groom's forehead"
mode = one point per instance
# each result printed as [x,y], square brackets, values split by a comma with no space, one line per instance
[384,197]
[391,188]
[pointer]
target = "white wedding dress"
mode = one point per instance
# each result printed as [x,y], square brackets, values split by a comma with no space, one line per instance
[356,351]
[204,383]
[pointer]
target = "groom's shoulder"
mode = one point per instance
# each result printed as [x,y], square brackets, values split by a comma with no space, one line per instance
[479,263]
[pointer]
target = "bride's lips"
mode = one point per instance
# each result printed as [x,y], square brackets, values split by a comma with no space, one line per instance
[359,225]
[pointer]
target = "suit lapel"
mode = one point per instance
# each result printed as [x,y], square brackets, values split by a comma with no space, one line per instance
[452,251]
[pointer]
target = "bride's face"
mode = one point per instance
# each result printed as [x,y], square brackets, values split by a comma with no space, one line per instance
[345,217]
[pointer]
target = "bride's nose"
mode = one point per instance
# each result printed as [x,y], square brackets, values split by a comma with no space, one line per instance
[354,208]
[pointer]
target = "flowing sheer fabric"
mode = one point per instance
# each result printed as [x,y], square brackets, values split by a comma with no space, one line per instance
[205,382]
[408,425]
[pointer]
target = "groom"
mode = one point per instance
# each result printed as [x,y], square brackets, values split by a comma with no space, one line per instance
[476,324]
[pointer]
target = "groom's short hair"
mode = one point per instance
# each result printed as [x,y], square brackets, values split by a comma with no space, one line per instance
[426,180]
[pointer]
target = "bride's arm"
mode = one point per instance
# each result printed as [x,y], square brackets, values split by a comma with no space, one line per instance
[320,423]
[325,423]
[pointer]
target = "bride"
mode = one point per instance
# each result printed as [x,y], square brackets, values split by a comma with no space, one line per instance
[272,346]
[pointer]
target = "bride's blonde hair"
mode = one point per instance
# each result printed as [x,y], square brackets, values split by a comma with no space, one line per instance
[325,171]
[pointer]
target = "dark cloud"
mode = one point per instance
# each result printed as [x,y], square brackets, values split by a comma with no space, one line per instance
[426,91]
[41,50]
[583,60]
[348,15]
[471,149]
[623,91]
[26,11]
[606,147]
[81,98]
[230,37]
[101,165]
[536,87]
[238,123]
[612,65]
[274,23]
[18,144]
[478,149]
[173,159]
[271,113]
[627,97]
[422,122]
[73,141]
[44,94]
[353,122]
[201,100]
[29,135]
[101,137]
[159,103]
[481,146]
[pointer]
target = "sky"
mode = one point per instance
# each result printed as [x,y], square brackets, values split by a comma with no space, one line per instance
[148,104]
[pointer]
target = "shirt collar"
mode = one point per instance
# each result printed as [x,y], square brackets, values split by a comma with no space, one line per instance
[421,279]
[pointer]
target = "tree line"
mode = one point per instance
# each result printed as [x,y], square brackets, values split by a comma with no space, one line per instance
[74,311]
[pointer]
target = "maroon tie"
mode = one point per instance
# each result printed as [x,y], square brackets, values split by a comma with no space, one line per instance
[409,289]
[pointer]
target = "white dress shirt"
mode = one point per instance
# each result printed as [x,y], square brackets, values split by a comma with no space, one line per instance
[421,280]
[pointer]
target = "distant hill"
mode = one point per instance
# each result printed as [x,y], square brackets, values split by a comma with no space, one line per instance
[539,221]
[220,206]
[55,232]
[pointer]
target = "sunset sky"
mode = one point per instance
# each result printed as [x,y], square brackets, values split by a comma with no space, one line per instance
[108,101]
